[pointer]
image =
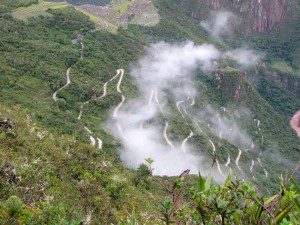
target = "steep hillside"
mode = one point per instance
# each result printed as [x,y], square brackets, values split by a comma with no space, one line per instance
[83,108]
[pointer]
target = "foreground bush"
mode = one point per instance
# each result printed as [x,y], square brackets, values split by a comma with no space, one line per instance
[234,202]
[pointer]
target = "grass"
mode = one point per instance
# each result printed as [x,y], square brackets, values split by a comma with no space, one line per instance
[40,9]
[282,67]
[24,13]
[228,69]
[123,7]
[99,22]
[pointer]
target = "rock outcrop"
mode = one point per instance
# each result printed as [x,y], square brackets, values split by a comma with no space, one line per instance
[261,15]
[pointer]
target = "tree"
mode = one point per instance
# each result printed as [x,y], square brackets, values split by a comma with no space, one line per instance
[150,161]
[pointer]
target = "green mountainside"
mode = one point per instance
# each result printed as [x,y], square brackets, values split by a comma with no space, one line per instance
[61,164]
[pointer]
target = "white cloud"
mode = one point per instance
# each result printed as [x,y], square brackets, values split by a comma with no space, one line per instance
[245,57]
[165,73]
[220,24]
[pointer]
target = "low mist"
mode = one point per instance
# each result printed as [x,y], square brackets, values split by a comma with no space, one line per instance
[220,24]
[226,125]
[141,122]
[166,73]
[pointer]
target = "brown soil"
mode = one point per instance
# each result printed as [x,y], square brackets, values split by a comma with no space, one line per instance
[295,123]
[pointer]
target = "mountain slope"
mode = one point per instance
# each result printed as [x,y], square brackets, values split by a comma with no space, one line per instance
[61,157]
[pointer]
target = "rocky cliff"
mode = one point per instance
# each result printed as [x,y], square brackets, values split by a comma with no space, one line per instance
[261,15]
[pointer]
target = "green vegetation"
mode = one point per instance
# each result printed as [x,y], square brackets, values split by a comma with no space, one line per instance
[100,22]
[49,172]
[7,5]
[55,179]
[174,26]
[282,67]
[39,9]
[121,8]
[234,202]
[280,99]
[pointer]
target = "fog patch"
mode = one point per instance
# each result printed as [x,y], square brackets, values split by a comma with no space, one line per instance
[220,24]
[140,123]
[166,66]
[164,75]
[272,153]
[245,57]
[226,126]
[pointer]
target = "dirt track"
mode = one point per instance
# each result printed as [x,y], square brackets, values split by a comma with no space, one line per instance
[295,123]
[166,136]
[54,96]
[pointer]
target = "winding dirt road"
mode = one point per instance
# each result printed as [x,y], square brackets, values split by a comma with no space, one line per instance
[228,160]
[99,143]
[104,91]
[213,146]
[121,72]
[114,77]
[166,136]
[216,160]
[183,147]
[92,139]
[295,123]
[252,165]
[151,98]
[115,113]
[266,173]
[219,169]
[193,102]
[214,152]
[224,109]
[157,102]
[81,109]
[200,129]
[54,96]
[237,161]
[260,163]
[178,108]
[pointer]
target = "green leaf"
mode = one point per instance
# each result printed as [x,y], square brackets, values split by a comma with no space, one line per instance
[207,183]
[201,183]
[236,218]
[297,186]
[132,219]
[283,214]
[229,178]
[149,160]
[122,222]
[271,199]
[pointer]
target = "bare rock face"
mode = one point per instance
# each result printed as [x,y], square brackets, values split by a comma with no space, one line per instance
[261,15]
[266,15]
